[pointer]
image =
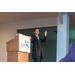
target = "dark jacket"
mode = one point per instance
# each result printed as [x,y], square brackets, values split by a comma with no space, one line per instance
[37,45]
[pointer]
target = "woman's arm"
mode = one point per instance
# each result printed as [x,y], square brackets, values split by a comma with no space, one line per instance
[31,37]
[44,40]
[45,37]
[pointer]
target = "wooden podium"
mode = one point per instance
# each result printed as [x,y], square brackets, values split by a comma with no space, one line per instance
[13,52]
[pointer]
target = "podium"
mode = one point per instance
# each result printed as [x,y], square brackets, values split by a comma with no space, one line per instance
[18,48]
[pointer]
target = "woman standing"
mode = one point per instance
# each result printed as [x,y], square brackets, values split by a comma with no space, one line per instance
[37,50]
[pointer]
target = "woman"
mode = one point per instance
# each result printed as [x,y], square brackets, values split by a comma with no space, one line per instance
[70,57]
[37,50]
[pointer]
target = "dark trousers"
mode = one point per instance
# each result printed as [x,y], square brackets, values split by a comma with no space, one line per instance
[37,60]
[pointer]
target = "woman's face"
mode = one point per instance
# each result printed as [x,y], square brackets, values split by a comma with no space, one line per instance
[36,32]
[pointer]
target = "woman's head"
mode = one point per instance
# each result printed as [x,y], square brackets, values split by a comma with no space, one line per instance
[36,31]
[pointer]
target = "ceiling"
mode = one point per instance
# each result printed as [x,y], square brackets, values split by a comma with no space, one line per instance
[72,20]
[71,14]
[7,17]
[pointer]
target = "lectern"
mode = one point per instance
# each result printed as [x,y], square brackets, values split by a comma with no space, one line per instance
[18,48]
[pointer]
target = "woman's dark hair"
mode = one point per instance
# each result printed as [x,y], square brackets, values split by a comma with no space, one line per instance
[34,29]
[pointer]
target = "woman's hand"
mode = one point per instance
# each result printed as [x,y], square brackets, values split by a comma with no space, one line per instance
[29,37]
[45,33]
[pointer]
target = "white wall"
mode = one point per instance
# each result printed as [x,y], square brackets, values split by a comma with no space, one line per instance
[60,17]
[8,30]
[62,37]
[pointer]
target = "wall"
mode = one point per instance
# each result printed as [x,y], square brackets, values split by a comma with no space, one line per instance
[8,30]
[50,51]
[71,41]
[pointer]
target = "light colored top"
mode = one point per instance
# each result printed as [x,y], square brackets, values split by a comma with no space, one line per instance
[37,37]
